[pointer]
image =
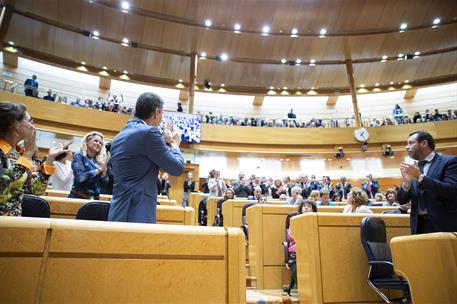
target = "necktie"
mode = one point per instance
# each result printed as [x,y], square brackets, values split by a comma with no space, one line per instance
[422,164]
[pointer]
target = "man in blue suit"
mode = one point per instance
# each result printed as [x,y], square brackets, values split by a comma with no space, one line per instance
[137,154]
[430,184]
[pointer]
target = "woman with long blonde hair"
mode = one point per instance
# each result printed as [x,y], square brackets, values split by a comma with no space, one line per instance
[89,167]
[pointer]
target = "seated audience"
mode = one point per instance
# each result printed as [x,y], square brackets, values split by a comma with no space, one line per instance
[16,168]
[50,97]
[296,191]
[314,196]
[304,207]
[357,202]
[62,179]
[257,194]
[89,167]
[325,199]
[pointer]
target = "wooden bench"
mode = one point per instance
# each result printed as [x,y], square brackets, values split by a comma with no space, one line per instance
[64,207]
[429,263]
[266,234]
[22,247]
[232,211]
[61,260]
[163,200]
[332,265]
[339,209]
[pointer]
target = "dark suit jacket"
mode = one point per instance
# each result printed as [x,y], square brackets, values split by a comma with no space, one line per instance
[137,153]
[439,194]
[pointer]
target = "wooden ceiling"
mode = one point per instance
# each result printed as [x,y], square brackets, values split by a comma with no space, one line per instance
[168,31]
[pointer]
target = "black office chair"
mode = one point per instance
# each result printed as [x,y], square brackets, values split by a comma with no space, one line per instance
[286,242]
[35,206]
[381,274]
[94,211]
[244,224]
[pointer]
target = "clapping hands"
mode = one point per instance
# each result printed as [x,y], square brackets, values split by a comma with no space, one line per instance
[172,136]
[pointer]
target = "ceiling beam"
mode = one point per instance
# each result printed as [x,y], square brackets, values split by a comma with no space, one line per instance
[351,82]
[192,80]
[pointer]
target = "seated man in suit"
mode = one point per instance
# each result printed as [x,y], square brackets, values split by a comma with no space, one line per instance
[137,154]
[430,185]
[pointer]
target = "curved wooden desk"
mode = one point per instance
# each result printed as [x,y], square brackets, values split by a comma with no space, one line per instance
[429,263]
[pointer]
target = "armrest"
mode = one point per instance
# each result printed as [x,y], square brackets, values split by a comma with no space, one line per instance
[381,263]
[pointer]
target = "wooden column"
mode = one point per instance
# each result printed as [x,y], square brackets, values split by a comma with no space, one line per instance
[350,73]
[10,59]
[104,83]
[192,80]
[258,100]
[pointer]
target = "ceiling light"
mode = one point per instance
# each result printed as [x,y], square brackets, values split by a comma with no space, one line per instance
[417,53]
[208,23]
[384,57]
[272,88]
[104,67]
[406,81]
[125,72]
[96,33]
[83,63]
[125,40]
[400,55]
[312,62]
[125,5]
[285,88]
[294,32]
[376,84]
[11,42]
[362,85]
[222,85]
[436,21]
[203,54]
[224,57]
[298,61]
[265,30]
[237,27]
[391,82]
[283,60]
[180,80]
[403,26]
[323,32]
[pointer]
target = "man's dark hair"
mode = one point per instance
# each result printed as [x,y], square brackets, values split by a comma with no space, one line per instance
[146,105]
[423,135]
[9,114]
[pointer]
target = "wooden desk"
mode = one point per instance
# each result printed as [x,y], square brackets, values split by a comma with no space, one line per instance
[64,207]
[332,265]
[429,263]
[61,260]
